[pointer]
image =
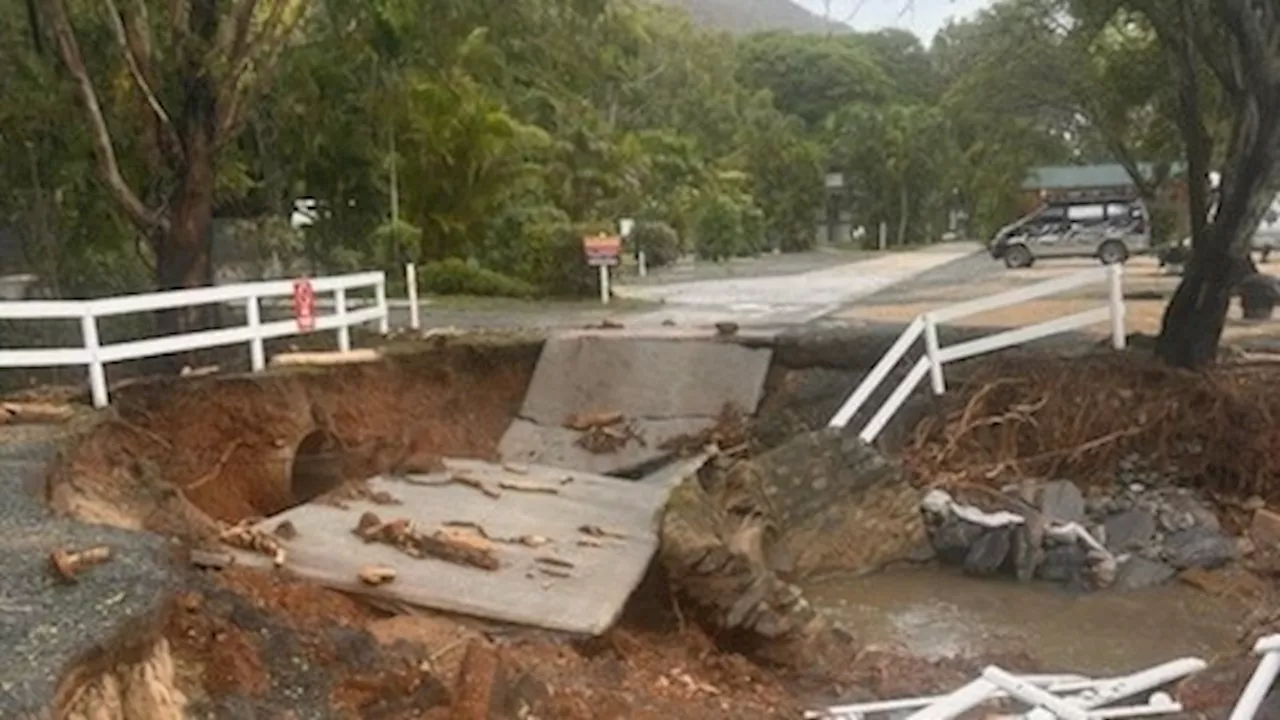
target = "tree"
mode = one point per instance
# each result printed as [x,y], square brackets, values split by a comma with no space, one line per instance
[195,67]
[1231,47]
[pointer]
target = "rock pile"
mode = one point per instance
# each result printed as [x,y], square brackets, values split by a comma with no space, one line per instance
[1128,536]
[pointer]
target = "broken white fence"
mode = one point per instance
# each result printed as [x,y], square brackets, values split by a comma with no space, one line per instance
[95,355]
[936,356]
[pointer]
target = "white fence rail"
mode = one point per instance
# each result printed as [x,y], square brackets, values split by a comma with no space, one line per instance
[95,355]
[936,356]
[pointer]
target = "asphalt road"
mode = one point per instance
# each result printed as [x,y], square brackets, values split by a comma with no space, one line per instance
[47,626]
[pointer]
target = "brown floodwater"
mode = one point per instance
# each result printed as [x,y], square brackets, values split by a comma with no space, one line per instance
[939,613]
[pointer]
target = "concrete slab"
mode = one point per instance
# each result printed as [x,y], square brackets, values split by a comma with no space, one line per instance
[528,442]
[641,378]
[588,602]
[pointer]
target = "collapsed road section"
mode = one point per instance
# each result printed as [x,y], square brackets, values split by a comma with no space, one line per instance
[352,542]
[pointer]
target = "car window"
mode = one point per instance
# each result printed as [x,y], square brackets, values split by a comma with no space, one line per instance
[1121,211]
[1052,213]
[1086,213]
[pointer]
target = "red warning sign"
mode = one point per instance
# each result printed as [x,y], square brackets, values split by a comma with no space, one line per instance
[304,304]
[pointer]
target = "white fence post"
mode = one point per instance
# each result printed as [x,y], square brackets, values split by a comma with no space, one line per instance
[931,349]
[93,345]
[411,282]
[340,309]
[384,319]
[257,350]
[1115,297]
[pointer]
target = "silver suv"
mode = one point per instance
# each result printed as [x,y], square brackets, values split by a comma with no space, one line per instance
[1110,229]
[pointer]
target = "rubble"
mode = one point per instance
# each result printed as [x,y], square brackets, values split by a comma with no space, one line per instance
[440,545]
[68,564]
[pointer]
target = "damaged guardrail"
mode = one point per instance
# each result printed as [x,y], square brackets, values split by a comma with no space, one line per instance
[936,356]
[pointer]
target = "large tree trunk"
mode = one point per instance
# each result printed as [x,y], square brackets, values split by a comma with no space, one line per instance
[1197,314]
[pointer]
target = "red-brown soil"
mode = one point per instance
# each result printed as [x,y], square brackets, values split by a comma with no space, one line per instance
[227,445]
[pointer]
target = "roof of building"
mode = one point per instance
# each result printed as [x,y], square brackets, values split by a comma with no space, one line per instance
[1065,177]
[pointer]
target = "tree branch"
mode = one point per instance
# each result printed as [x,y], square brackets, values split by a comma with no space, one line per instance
[103,149]
[133,46]
[266,49]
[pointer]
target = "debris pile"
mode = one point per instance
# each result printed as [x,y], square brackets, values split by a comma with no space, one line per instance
[603,433]
[1128,536]
[440,545]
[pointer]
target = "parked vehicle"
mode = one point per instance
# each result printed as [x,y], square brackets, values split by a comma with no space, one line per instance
[1109,228]
[1267,238]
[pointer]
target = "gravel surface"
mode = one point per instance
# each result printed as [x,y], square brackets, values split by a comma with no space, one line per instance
[48,627]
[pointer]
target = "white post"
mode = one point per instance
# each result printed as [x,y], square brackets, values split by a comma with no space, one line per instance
[884,235]
[344,330]
[1259,685]
[644,266]
[604,284]
[257,352]
[411,282]
[931,349]
[380,293]
[1115,297]
[97,374]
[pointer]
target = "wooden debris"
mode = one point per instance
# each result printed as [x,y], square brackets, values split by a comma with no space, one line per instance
[596,531]
[375,575]
[285,531]
[554,572]
[68,564]
[592,420]
[35,412]
[211,560]
[590,542]
[518,486]
[552,560]
[515,468]
[606,440]
[457,479]
[532,541]
[362,355]
[402,535]
[203,370]
[243,536]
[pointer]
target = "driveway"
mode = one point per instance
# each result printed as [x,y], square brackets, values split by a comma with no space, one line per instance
[793,298]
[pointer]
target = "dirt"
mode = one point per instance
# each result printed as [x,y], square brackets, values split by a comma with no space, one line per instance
[240,436]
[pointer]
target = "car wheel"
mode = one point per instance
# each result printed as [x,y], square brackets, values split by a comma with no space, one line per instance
[1113,252]
[1018,256]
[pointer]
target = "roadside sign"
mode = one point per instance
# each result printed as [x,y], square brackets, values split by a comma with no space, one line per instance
[304,304]
[602,250]
[625,226]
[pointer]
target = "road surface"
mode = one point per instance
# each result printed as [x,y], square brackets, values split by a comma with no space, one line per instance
[789,299]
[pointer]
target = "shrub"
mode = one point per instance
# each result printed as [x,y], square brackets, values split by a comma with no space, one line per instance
[718,229]
[659,241]
[454,276]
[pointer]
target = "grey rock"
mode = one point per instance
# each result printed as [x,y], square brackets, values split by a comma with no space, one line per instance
[1200,548]
[1129,530]
[989,552]
[1200,515]
[1137,487]
[1138,573]
[1062,500]
[953,538]
[1064,563]
[1026,554]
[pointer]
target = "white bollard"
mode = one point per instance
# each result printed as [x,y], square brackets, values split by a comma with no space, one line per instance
[411,282]
[604,284]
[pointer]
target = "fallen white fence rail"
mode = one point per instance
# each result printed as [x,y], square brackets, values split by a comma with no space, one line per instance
[95,355]
[1264,676]
[936,356]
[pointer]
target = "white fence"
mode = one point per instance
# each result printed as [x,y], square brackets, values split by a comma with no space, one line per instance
[95,356]
[936,357]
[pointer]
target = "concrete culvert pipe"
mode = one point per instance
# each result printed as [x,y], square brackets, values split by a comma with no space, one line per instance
[316,467]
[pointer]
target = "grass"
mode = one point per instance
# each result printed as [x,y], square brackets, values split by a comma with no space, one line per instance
[516,305]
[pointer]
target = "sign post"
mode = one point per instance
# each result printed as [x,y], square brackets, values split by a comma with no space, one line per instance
[304,304]
[603,251]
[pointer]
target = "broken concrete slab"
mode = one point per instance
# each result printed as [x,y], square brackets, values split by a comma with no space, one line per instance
[667,378]
[528,442]
[570,581]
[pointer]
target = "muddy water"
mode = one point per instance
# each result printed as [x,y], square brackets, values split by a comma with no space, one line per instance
[937,613]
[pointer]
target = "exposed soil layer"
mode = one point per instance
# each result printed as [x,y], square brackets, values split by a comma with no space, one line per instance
[247,446]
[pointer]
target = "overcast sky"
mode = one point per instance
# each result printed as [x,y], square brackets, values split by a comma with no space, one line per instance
[923,17]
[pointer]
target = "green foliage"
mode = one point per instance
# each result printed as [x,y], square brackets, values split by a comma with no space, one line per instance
[454,276]
[728,226]
[659,241]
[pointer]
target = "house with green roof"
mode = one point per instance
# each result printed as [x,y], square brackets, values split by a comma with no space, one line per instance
[1057,181]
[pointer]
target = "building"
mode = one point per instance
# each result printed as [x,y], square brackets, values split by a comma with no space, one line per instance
[1083,181]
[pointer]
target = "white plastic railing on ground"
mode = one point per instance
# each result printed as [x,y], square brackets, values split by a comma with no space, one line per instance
[936,356]
[95,356]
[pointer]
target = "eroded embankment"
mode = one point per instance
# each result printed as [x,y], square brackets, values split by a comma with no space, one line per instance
[250,446]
